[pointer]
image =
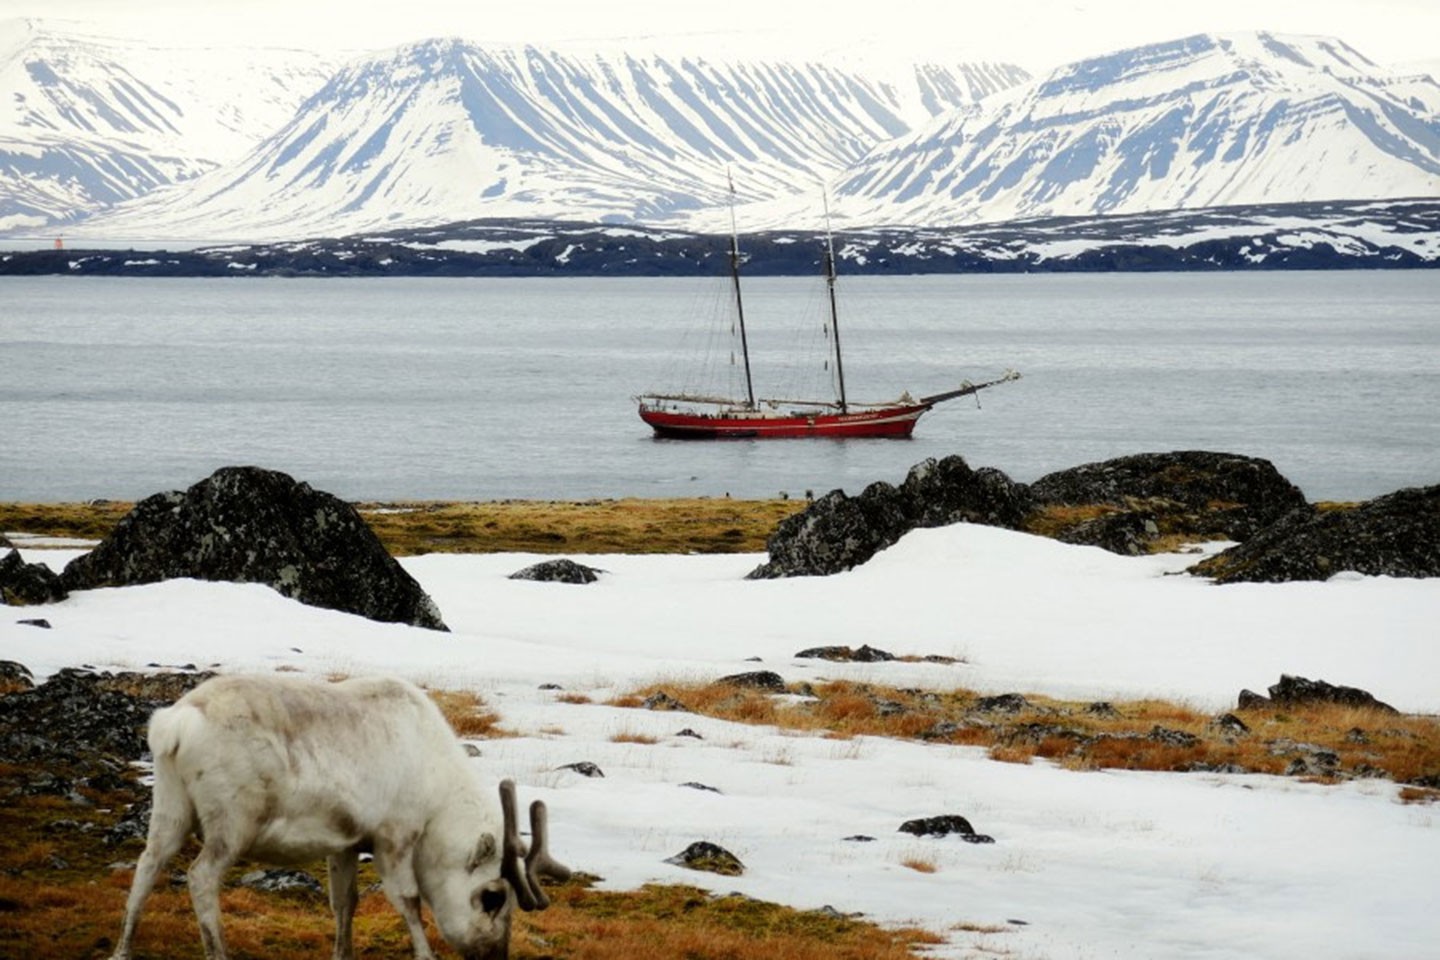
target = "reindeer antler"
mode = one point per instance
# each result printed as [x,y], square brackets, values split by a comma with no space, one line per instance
[537,862]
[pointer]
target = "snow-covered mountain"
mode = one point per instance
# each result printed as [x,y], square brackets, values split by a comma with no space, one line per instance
[1198,122]
[446,130]
[271,145]
[87,122]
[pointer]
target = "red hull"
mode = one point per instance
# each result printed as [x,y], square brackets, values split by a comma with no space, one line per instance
[894,421]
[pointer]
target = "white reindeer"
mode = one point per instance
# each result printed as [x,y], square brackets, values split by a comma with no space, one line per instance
[284,771]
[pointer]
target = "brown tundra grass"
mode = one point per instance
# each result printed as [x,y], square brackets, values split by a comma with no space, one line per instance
[689,525]
[1134,735]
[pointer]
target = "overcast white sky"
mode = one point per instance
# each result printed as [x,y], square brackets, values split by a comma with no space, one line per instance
[1035,33]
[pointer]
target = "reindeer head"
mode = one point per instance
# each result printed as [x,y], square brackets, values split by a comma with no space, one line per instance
[493,903]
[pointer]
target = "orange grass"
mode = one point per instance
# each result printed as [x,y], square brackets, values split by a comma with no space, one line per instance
[1135,735]
[466,714]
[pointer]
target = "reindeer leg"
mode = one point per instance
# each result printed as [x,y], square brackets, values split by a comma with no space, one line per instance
[205,875]
[170,822]
[344,897]
[395,860]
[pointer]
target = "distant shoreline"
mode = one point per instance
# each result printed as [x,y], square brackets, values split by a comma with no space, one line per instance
[1336,235]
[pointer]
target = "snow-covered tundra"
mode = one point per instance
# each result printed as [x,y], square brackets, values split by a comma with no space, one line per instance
[285,770]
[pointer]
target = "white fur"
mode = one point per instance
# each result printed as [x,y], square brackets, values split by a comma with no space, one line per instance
[284,771]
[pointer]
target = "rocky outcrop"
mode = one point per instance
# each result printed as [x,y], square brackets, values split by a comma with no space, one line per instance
[937,493]
[249,525]
[840,654]
[1122,505]
[835,533]
[838,532]
[1131,501]
[22,584]
[83,722]
[1294,691]
[1397,535]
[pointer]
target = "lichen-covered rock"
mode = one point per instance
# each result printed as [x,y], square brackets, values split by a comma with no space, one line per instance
[22,584]
[937,493]
[1298,691]
[1397,535]
[276,880]
[838,532]
[562,570]
[835,533]
[710,857]
[249,525]
[1193,493]
[756,680]
[1122,505]
[841,654]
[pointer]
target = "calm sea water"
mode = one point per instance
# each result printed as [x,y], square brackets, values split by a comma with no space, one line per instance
[484,389]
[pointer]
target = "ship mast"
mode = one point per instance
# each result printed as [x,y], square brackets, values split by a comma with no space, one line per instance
[739,305]
[834,313]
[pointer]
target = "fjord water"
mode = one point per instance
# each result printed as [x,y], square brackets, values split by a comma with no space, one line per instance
[487,389]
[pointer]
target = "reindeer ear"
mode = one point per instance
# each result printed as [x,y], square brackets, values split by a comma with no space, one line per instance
[484,851]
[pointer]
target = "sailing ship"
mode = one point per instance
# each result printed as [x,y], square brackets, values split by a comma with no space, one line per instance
[688,416]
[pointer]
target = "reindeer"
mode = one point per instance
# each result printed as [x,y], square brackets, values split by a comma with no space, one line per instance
[284,771]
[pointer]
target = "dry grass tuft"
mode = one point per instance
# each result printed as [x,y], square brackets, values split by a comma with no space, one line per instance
[626,736]
[467,715]
[920,864]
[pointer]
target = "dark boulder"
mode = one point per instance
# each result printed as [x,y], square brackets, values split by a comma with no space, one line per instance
[1003,703]
[1135,499]
[1397,535]
[710,857]
[22,584]
[838,532]
[249,525]
[15,677]
[756,680]
[583,767]
[949,824]
[835,533]
[937,493]
[1298,691]
[562,570]
[660,700]
[839,654]
[1250,700]
[276,880]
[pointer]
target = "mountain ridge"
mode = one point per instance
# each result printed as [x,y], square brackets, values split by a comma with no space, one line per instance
[1206,120]
[446,130]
